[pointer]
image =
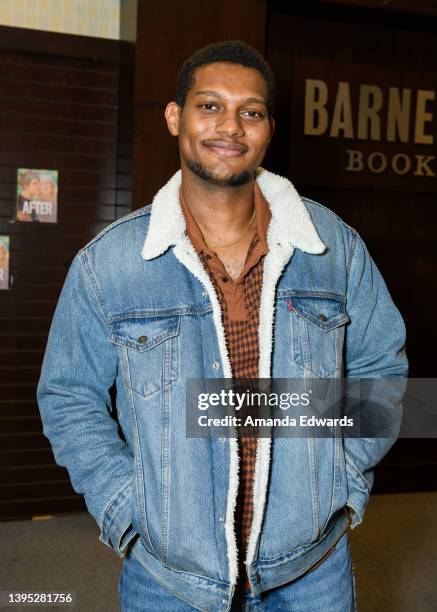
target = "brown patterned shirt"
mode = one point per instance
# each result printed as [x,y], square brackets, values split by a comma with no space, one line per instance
[239,301]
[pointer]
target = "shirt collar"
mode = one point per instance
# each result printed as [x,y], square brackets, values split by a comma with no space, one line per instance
[262,217]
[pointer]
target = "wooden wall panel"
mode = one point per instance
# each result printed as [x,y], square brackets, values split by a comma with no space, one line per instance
[65,104]
[398,226]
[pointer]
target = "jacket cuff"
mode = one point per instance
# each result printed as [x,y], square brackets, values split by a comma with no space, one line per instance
[117,530]
[358,494]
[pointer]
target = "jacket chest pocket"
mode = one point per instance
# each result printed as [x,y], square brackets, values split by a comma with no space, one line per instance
[149,352]
[318,325]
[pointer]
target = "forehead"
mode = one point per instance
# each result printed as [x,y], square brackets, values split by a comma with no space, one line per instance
[229,79]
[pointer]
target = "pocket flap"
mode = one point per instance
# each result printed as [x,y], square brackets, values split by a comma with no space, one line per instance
[142,334]
[324,312]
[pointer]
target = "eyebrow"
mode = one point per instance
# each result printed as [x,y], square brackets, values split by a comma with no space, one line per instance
[217,94]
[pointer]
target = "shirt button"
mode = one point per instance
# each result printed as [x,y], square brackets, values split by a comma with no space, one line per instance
[224,601]
[142,339]
[225,279]
[322,317]
[215,365]
[221,519]
[205,293]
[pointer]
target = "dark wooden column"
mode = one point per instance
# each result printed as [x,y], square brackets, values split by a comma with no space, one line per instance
[168,33]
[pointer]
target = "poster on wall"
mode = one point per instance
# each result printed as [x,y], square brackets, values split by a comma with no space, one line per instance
[37,195]
[4,262]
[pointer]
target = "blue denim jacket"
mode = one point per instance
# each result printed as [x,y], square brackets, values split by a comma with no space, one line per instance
[138,309]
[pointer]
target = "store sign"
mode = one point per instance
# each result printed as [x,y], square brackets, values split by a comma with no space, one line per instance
[363,127]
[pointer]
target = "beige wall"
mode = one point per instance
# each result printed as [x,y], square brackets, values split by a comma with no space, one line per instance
[100,18]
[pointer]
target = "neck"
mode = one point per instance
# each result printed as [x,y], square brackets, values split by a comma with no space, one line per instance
[222,213]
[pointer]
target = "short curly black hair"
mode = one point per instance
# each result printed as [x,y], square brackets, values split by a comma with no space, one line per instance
[228,51]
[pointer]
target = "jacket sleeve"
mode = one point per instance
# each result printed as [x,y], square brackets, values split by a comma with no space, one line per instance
[374,349]
[79,368]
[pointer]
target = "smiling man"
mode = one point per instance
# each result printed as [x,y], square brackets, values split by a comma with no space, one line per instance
[229,273]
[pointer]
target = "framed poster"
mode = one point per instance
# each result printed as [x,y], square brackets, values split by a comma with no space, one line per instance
[37,195]
[4,262]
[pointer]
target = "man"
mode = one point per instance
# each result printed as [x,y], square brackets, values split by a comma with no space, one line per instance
[228,273]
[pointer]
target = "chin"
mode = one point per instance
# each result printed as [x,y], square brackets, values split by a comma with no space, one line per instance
[230,178]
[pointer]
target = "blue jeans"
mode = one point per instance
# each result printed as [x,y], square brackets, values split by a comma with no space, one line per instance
[328,588]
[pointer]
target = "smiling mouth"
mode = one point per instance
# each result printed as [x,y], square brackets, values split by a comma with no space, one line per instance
[225,149]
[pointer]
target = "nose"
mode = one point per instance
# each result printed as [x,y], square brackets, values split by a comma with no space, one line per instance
[230,125]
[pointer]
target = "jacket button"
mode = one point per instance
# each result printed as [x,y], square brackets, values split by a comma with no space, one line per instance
[215,365]
[142,339]
[322,317]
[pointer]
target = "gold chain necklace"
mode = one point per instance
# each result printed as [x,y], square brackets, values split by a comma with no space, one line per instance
[209,244]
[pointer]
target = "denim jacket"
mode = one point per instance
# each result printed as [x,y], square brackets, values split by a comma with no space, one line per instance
[138,311]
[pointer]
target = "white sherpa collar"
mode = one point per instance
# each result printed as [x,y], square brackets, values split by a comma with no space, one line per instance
[290,224]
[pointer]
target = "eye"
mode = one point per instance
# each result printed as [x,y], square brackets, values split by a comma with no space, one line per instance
[252,114]
[208,106]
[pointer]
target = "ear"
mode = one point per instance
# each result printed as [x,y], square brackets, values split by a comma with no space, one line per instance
[272,126]
[172,116]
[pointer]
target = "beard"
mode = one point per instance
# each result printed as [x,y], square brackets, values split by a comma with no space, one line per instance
[235,180]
